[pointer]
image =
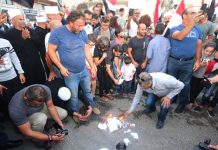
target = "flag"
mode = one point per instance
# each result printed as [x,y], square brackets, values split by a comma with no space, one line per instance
[176,18]
[157,12]
[211,10]
[110,5]
[26,3]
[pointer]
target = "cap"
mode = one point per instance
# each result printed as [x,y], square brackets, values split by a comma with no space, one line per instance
[13,13]
[51,10]
[144,78]
[41,19]
[64,93]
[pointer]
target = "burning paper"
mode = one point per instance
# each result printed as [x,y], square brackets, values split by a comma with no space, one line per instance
[102,126]
[135,135]
[126,141]
[113,124]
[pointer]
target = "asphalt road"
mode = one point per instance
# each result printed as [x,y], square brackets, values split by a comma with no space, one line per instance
[181,131]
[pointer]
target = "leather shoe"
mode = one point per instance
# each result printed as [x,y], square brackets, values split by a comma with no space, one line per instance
[149,110]
[180,108]
[159,124]
[12,144]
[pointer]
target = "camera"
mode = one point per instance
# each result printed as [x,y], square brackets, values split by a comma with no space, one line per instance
[204,145]
[59,130]
[62,131]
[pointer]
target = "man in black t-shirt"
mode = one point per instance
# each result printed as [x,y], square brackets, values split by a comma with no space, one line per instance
[138,48]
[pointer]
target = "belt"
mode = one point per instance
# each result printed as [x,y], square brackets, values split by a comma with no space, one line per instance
[182,59]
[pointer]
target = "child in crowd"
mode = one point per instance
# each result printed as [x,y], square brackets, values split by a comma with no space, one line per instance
[197,77]
[91,44]
[211,89]
[100,54]
[128,71]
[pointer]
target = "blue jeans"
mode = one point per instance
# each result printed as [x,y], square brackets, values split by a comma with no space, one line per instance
[181,70]
[127,86]
[150,103]
[73,81]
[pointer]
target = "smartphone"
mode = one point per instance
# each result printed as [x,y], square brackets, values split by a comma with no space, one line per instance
[131,12]
[203,8]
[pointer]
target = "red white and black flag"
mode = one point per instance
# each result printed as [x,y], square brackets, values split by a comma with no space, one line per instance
[26,3]
[110,5]
[157,13]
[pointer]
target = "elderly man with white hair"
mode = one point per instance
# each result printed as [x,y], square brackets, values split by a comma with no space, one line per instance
[25,43]
[159,86]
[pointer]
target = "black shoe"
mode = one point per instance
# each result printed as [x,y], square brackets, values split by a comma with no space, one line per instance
[148,110]
[197,109]
[12,144]
[159,124]
[210,113]
[180,108]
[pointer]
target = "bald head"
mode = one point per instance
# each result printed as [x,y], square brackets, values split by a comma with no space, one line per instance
[54,24]
[18,22]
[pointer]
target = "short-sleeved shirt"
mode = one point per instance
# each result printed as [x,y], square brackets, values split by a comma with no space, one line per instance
[185,48]
[70,47]
[207,29]
[98,54]
[19,111]
[139,48]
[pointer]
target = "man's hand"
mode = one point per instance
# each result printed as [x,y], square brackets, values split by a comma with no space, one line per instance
[22,78]
[116,81]
[197,65]
[104,55]
[127,113]
[143,65]
[119,73]
[88,112]
[58,137]
[165,102]
[93,71]
[25,34]
[64,71]
[80,116]
[52,76]
[135,64]
[2,88]
[215,147]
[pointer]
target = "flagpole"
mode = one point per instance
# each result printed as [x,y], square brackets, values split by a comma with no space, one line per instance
[171,19]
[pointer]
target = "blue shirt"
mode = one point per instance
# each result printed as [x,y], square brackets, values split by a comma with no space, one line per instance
[185,48]
[70,47]
[157,54]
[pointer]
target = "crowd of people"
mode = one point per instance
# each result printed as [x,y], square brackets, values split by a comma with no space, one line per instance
[125,56]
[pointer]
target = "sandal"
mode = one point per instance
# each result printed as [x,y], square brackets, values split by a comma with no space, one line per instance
[109,96]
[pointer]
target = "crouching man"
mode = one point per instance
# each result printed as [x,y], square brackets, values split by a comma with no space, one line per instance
[158,85]
[29,110]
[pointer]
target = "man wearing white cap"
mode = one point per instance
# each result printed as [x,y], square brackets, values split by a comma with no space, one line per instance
[25,43]
[41,30]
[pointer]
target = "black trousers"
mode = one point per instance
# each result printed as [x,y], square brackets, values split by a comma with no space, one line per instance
[196,86]
[13,86]
[104,80]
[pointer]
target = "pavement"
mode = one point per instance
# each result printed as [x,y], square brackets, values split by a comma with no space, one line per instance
[181,131]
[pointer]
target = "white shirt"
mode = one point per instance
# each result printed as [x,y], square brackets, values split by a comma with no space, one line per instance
[127,71]
[133,28]
[46,43]
[162,85]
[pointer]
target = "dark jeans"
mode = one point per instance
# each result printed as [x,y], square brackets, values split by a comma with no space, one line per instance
[181,70]
[3,139]
[127,86]
[150,103]
[207,95]
[197,86]
[104,81]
